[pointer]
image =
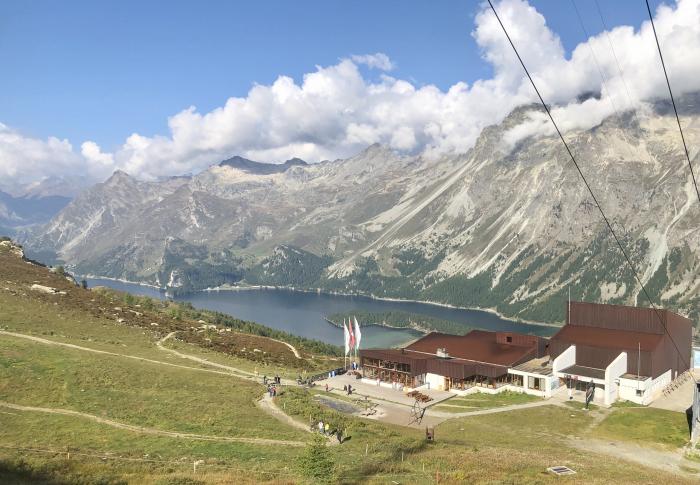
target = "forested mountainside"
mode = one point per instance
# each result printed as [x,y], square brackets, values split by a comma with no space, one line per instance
[508,225]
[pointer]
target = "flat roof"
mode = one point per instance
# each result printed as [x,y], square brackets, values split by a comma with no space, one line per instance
[477,345]
[541,366]
[608,338]
[582,370]
[634,377]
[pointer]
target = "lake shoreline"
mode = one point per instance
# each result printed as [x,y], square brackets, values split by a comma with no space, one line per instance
[413,326]
[493,311]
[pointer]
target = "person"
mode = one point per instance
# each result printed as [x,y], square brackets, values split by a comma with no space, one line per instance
[345,388]
[320,426]
[326,429]
[339,435]
[568,385]
[265,379]
[269,390]
[274,391]
[326,387]
[349,389]
[590,392]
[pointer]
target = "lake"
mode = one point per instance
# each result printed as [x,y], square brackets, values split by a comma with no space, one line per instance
[302,313]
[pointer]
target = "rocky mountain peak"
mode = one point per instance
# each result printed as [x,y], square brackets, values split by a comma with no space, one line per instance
[259,168]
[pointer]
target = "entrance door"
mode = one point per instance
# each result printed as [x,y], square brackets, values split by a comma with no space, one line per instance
[448,383]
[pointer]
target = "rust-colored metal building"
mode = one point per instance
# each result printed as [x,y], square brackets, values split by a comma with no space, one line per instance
[601,332]
[479,358]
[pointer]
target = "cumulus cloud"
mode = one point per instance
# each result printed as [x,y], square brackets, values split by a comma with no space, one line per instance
[335,111]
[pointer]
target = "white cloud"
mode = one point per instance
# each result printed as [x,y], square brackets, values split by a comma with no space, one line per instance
[376,61]
[335,111]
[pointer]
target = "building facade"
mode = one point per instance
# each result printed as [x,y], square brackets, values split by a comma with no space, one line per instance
[479,359]
[629,353]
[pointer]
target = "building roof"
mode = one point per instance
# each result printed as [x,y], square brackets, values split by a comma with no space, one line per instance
[541,366]
[477,345]
[582,370]
[608,338]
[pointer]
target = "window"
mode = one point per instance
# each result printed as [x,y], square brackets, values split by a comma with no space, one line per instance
[509,339]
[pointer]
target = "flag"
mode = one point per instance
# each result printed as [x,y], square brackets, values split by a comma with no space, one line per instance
[346,336]
[352,334]
[358,334]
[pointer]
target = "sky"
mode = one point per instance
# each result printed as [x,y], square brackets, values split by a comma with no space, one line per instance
[166,88]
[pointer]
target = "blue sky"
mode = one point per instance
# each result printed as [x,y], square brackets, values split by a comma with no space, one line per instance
[103,70]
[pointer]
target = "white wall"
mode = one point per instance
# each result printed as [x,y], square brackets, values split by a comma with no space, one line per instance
[435,381]
[612,373]
[565,359]
[651,389]
[550,383]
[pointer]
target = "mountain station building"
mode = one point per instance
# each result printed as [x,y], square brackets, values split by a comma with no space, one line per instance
[628,353]
[479,359]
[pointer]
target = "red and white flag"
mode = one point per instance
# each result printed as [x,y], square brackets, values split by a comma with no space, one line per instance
[352,334]
[346,336]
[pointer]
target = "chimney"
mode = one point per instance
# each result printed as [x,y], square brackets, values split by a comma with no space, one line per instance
[442,353]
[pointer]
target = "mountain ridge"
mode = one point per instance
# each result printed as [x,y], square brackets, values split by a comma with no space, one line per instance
[503,226]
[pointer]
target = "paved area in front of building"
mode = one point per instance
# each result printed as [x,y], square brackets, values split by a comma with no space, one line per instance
[373,391]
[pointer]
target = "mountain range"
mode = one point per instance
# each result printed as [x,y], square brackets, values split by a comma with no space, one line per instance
[508,225]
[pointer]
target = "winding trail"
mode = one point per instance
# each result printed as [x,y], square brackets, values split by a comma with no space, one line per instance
[266,404]
[231,370]
[105,352]
[147,430]
[291,347]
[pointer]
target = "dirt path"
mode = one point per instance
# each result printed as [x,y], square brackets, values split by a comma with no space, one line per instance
[502,409]
[151,431]
[231,370]
[105,352]
[668,461]
[291,347]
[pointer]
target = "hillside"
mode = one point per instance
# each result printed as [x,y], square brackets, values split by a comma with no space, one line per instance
[100,387]
[508,225]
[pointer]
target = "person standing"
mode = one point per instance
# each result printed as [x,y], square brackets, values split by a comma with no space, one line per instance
[326,429]
[569,383]
[320,426]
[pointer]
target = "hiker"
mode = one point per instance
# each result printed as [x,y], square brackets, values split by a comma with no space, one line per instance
[320,426]
[326,429]
[265,379]
[349,389]
[269,390]
[326,387]
[339,435]
[345,388]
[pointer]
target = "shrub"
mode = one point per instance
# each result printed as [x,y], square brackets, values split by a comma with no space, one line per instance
[316,462]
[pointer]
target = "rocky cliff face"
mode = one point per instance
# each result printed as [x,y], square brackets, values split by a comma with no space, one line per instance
[502,226]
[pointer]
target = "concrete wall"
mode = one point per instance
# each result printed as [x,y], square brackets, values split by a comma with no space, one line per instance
[612,375]
[435,381]
[566,359]
[651,388]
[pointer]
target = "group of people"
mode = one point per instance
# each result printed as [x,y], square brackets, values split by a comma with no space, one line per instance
[275,380]
[348,389]
[272,387]
[325,429]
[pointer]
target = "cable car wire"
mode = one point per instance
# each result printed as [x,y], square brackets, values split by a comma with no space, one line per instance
[590,190]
